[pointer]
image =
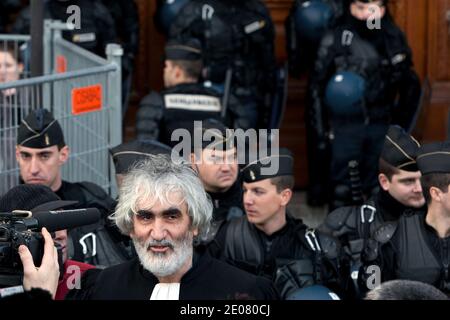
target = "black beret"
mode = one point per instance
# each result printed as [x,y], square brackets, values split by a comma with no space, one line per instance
[434,158]
[40,130]
[400,149]
[127,154]
[212,133]
[256,170]
[183,49]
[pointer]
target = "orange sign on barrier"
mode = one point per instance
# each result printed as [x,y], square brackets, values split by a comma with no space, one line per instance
[87,99]
[61,64]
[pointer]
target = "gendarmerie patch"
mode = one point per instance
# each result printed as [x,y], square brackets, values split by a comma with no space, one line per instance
[84,37]
[254,26]
[192,102]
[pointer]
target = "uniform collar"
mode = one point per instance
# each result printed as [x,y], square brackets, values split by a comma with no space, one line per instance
[390,208]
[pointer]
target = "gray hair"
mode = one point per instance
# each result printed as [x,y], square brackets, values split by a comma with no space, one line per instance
[405,290]
[156,179]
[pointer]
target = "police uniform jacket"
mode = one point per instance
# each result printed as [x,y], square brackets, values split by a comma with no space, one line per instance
[101,247]
[96,24]
[289,257]
[176,107]
[414,251]
[239,36]
[382,57]
[356,227]
[229,203]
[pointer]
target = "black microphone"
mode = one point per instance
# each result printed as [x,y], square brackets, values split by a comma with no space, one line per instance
[66,219]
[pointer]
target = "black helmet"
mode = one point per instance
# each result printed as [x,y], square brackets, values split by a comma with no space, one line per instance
[314,292]
[166,12]
[344,93]
[312,19]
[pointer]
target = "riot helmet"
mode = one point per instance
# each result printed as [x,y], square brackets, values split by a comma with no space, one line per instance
[312,19]
[344,93]
[166,12]
[314,292]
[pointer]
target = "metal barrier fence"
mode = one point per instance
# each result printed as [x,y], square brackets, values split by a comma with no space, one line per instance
[14,104]
[61,55]
[84,93]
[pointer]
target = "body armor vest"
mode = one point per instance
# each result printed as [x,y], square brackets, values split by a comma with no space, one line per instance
[417,258]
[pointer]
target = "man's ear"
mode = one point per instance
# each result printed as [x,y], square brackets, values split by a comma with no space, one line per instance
[197,157]
[178,72]
[384,181]
[64,155]
[193,161]
[352,8]
[17,154]
[286,196]
[382,11]
[436,194]
[119,179]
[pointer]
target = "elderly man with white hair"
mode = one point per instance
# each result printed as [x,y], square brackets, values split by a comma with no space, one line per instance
[164,208]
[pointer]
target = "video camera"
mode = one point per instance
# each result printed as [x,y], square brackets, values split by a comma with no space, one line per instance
[23,227]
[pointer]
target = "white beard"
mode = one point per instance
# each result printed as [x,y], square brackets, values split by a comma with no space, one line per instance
[165,263]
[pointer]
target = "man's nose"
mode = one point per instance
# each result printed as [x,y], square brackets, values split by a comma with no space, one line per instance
[248,199]
[417,186]
[34,166]
[158,229]
[225,167]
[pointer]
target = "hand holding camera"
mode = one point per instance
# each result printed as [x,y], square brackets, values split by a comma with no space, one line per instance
[46,276]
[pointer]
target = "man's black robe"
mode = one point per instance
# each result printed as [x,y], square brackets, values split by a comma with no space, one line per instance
[208,279]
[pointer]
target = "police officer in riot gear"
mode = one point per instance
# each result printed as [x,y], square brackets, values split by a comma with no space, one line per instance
[216,164]
[417,246]
[126,20]
[269,241]
[366,45]
[306,24]
[238,42]
[96,30]
[183,101]
[41,151]
[400,191]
